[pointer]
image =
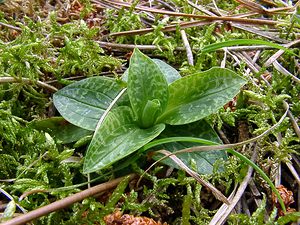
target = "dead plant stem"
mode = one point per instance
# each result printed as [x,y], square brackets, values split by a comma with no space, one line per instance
[210,18]
[187,47]
[27,81]
[222,219]
[63,203]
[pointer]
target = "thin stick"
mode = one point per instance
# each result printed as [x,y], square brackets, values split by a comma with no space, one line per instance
[217,8]
[256,31]
[27,81]
[210,18]
[187,47]
[201,8]
[166,5]
[274,57]
[207,12]
[10,26]
[108,110]
[224,207]
[130,46]
[12,199]
[294,123]
[63,203]
[218,194]
[218,220]
[285,72]
[223,62]
[294,172]
[236,198]
[168,28]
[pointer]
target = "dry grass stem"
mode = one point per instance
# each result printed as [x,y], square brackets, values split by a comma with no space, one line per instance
[63,203]
[27,81]
[187,47]
[293,172]
[221,219]
[182,25]
[196,176]
[210,18]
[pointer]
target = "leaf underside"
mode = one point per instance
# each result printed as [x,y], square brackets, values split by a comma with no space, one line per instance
[117,137]
[82,103]
[194,97]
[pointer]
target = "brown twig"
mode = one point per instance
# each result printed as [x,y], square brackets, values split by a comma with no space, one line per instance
[27,81]
[63,203]
[280,52]
[209,18]
[8,196]
[10,26]
[113,46]
[256,7]
[259,32]
[130,46]
[239,26]
[218,194]
[168,28]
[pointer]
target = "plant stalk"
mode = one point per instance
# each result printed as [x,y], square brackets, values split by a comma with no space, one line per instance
[63,203]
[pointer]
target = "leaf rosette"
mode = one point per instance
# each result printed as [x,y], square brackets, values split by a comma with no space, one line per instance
[156,95]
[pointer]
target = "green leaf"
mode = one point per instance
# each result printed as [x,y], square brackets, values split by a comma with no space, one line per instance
[216,46]
[9,211]
[194,97]
[116,138]
[61,129]
[146,82]
[289,217]
[296,16]
[82,103]
[150,112]
[27,184]
[186,209]
[202,162]
[168,71]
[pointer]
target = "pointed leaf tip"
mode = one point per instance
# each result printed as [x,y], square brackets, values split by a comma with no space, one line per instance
[146,82]
[196,96]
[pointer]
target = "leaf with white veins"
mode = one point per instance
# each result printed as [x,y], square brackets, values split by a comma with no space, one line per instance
[194,97]
[146,82]
[82,103]
[117,137]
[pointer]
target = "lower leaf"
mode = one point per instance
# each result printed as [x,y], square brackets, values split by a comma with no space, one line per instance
[202,162]
[117,137]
